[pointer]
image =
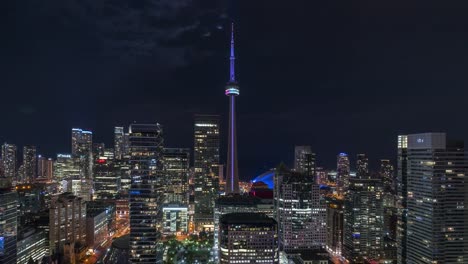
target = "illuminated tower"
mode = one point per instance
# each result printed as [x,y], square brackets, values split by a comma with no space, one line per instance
[232,90]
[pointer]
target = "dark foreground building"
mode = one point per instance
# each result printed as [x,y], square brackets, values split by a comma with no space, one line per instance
[248,238]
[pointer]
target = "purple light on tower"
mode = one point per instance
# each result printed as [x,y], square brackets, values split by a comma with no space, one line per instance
[232,90]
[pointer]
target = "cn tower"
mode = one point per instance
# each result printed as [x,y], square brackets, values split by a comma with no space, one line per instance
[232,90]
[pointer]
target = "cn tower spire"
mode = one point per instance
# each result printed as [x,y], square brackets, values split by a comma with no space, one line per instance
[232,76]
[232,90]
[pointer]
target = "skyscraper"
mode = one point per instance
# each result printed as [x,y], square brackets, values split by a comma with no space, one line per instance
[82,149]
[301,212]
[342,173]
[363,220]
[176,166]
[82,152]
[304,160]
[67,224]
[9,160]
[119,144]
[386,173]
[106,180]
[232,90]
[146,192]
[29,163]
[206,162]
[8,222]
[45,167]
[362,166]
[402,191]
[437,182]
[248,238]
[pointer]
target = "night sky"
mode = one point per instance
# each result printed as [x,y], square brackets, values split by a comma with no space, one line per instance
[341,76]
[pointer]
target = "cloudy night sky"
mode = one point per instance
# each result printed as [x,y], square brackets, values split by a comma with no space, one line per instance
[341,76]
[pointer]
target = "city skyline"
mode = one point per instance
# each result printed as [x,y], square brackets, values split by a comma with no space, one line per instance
[363,67]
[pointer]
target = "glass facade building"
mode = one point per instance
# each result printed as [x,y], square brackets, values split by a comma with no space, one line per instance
[206,162]
[146,192]
[437,227]
[363,221]
[248,238]
[176,167]
[304,160]
[8,222]
[300,211]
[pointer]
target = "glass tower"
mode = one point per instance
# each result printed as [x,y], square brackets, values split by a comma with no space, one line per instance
[146,192]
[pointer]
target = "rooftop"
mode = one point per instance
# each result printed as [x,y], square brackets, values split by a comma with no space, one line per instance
[246,218]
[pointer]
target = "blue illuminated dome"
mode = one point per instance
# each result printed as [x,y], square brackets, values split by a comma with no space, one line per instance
[266,177]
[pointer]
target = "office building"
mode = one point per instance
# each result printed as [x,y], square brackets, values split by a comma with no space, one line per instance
[386,173]
[175,219]
[29,164]
[239,204]
[106,178]
[248,238]
[342,173]
[176,166]
[437,229]
[206,162]
[45,168]
[82,152]
[8,222]
[146,192]
[304,160]
[67,223]
[97,228]
[335,227]
[301,212]
[31,245]
[363,221]
[362,166]
[65,168]
[402,192]
[9,160]
[119,144]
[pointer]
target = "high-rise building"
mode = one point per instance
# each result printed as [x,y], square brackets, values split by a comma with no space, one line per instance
[119,144]
[45,168]
[402,191]
[362,166]
[206,162]
[31,245]
[175,219]
[386,173]
[437,181]
[335,226]
[146,192]
[82,152]
[363,221]
[29,163]
[67,223]
[232,90]
[82,149]
[227,204]
[8,222]
[66,168]
[301,212]
[98,150]
[9,159]
[106,178]
[248,238]
[342,173]
[176,166]
[304,160]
